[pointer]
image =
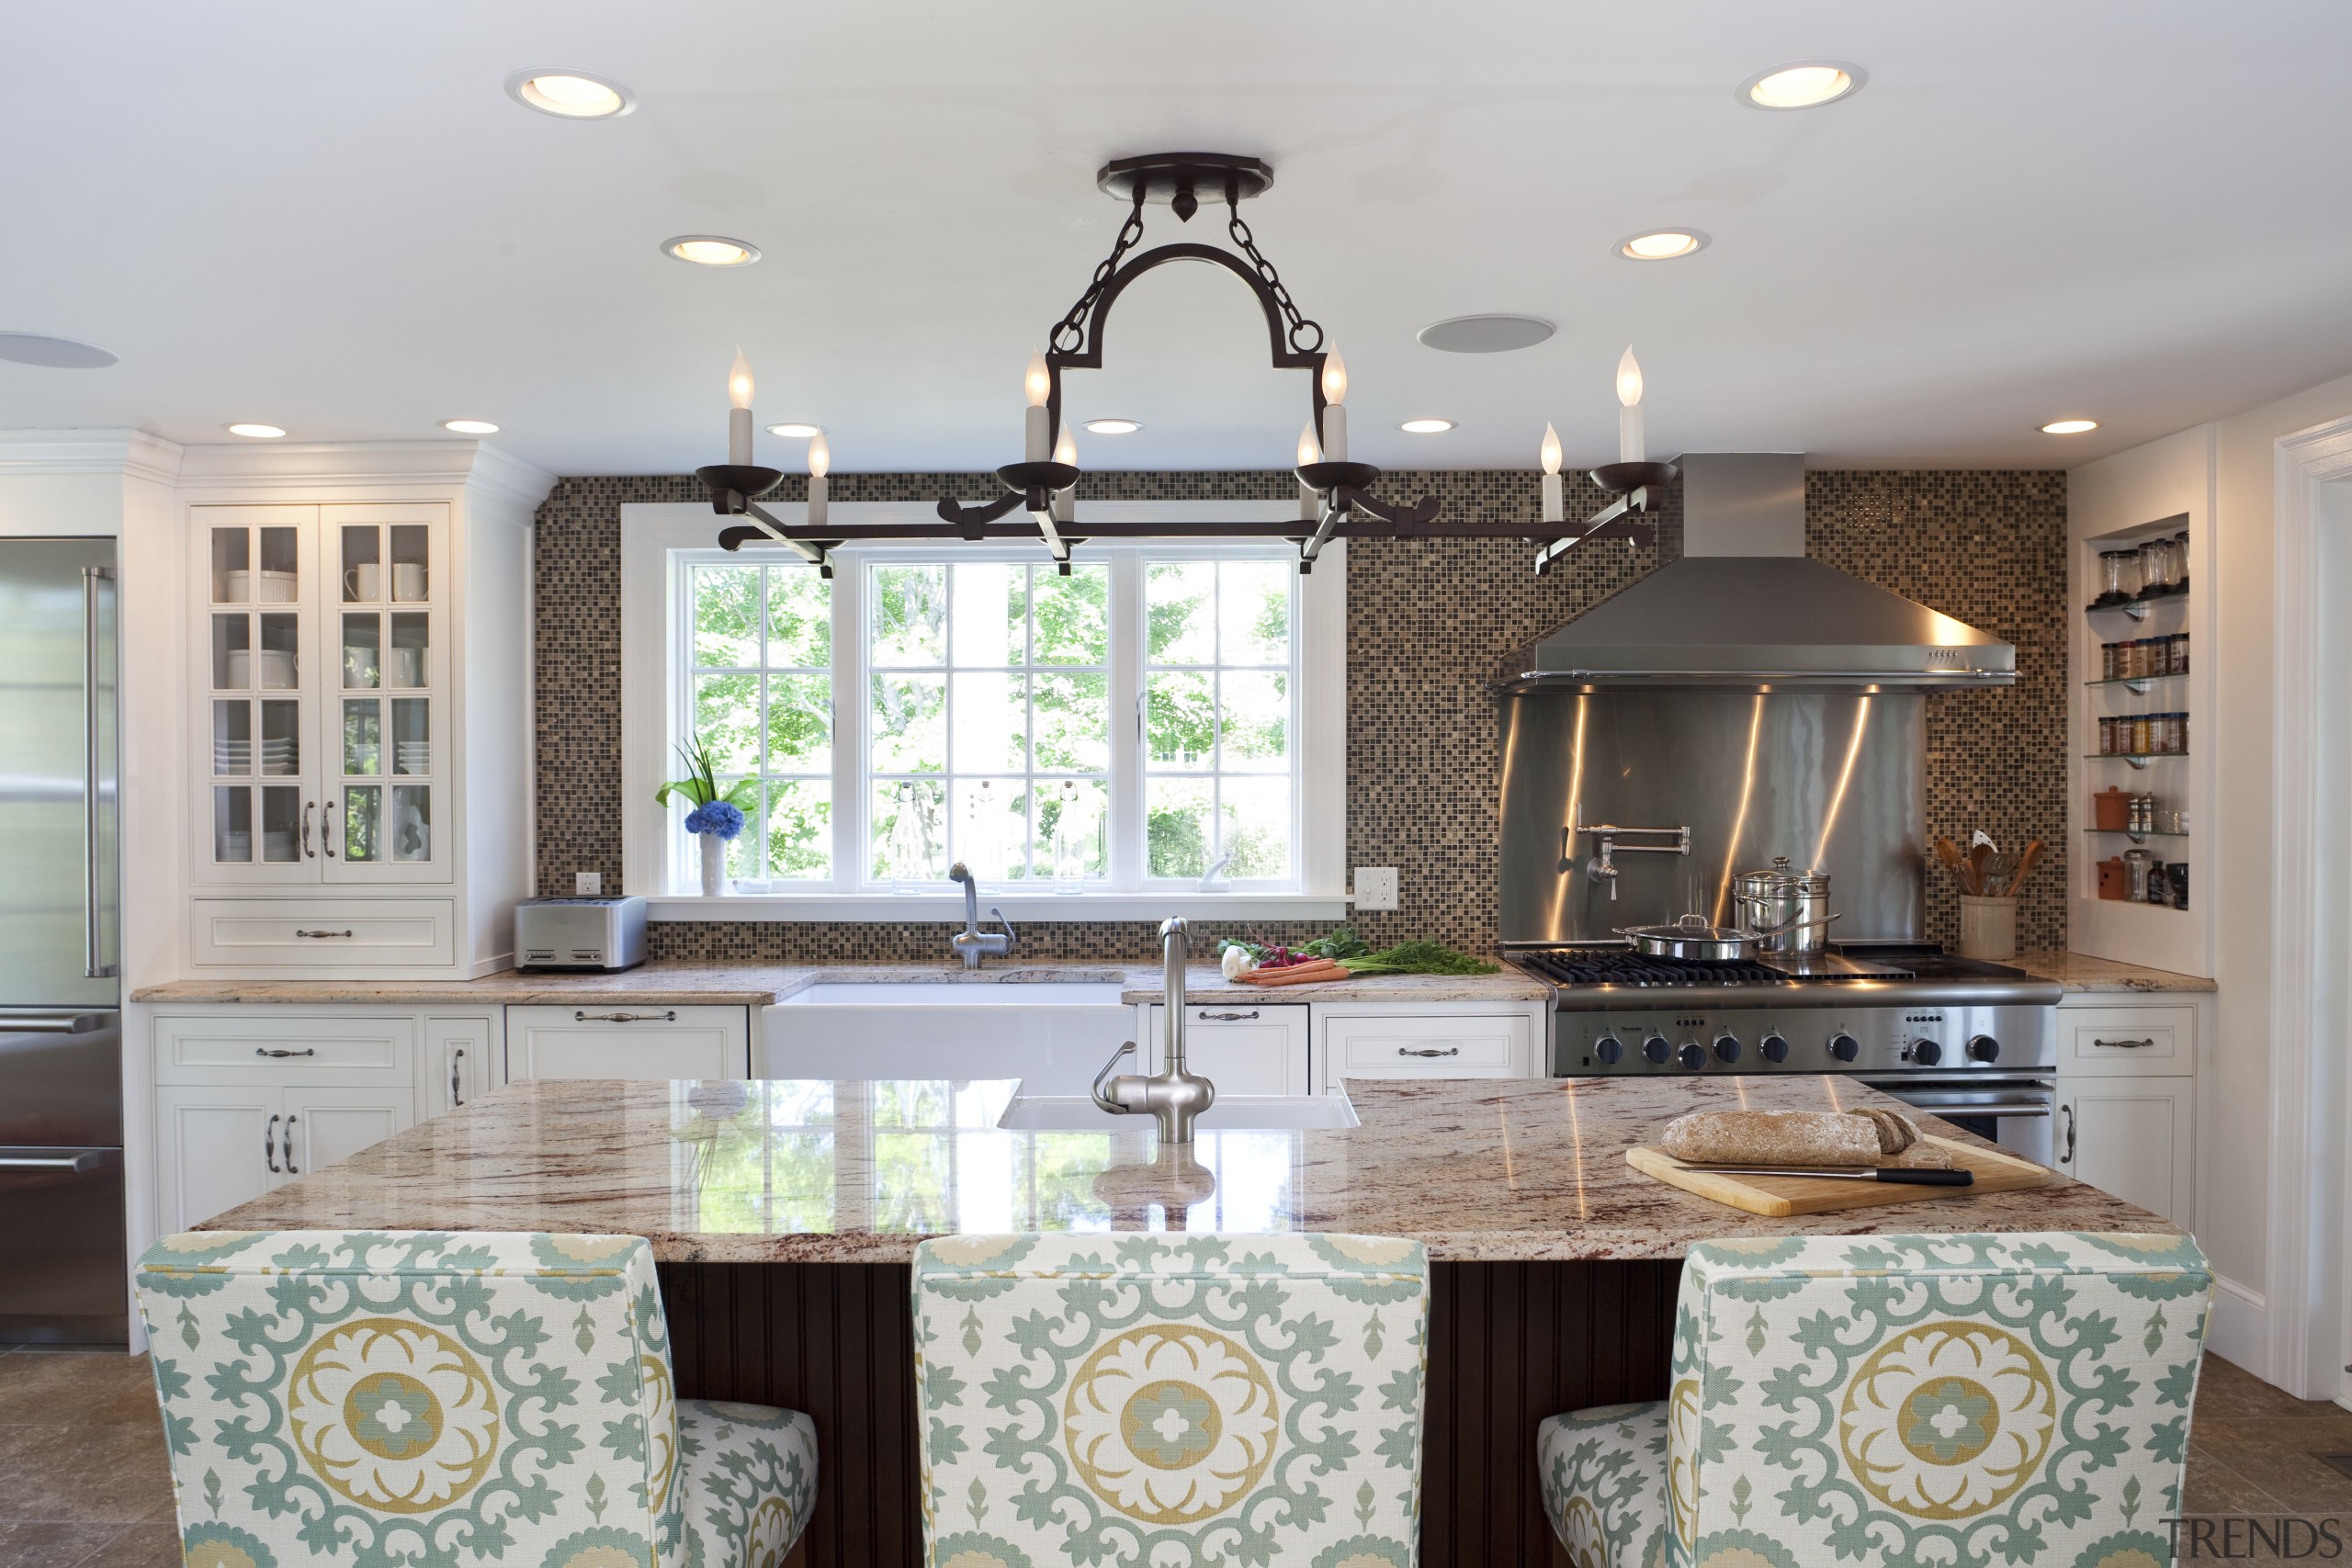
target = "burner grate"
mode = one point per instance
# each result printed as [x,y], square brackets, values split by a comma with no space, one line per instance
[1613,966]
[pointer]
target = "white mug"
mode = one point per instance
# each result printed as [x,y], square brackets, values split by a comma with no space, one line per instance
[408,579]
[364,581]
[236,587]
[408,667]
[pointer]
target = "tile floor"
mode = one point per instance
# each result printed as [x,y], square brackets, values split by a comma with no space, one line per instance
[83,1483]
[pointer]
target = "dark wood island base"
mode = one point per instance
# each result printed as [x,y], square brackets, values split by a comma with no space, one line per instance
[1510,1344]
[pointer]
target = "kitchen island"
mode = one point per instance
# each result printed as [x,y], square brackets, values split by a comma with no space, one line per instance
[783,1214]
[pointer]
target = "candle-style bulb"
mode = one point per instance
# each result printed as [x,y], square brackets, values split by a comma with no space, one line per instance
[1550,450]
[1629,378]
[739,383]
[1335,379]
[1037,383]
[820,456]
[1309,449]
[1066,449]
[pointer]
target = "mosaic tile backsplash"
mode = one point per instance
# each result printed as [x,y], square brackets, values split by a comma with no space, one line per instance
[1429,623]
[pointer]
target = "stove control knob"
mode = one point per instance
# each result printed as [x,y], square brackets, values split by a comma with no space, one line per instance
[1845,1047]
[1656,1049]
[1609,1049]
[1775,1049]
[1692,1055]
[1727,1047]
[1926,1053]
[1983,1048]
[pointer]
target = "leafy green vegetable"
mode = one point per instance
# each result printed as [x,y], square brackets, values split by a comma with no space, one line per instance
[1417,958]
[1342,943]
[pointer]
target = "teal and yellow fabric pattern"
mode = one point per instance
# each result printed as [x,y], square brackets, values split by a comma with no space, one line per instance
[1133,1400]
[1969,1401]
[465,1400]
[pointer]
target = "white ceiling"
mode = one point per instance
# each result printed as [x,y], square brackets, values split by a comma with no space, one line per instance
[332,218]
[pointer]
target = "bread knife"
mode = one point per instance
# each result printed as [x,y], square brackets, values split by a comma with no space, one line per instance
[1909,1176]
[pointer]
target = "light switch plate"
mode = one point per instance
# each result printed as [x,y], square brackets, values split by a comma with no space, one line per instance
[1375,887]
[587,884]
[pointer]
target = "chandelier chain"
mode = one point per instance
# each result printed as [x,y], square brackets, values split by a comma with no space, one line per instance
[1299,324]
[1069,333]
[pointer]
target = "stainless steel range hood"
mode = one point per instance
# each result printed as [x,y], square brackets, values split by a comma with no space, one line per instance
[1744,606]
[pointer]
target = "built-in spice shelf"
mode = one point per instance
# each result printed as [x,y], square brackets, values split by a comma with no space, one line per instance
[2138,608]
[2136,837]
[2137,758]
[2138,682]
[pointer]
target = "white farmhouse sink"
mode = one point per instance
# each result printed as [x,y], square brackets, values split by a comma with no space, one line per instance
[1055,1035]
[1271,1112]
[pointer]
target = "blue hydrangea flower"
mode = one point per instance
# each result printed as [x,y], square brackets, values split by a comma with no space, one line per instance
[719,816]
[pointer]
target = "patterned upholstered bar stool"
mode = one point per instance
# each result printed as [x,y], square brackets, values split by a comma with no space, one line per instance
[1147,1399]
[499,1400]
[1900,1399]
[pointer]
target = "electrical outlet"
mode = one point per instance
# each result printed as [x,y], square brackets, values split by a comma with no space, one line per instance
[587,884]
[1375,887]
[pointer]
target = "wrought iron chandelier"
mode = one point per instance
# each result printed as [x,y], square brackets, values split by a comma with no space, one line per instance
[1335,500]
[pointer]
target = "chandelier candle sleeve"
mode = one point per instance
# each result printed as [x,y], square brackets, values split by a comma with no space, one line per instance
[1630,445]
[1309,452]
[1039,386]
[1066,498]
[738,411]
[820,459]
[1335,415]
[1554,504]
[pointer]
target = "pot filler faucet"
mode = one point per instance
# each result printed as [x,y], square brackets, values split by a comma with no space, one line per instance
[1176,1096]
[971,943]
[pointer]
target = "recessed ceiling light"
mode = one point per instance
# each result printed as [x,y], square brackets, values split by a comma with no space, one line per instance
[1806,84]
[792,430]
[1485,334]
[712,250]
[2069,426]
[1663,244]
[258,432]
[1112,426]
[571,94]
[469,426]
[1425,426]
[54,353]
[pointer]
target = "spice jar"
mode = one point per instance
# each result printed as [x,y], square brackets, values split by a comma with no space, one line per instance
[2143,739]
[2106,736]
[2179,661]
[2106,652]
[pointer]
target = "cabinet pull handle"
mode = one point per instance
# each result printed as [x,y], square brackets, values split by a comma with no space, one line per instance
[291,1169]
[1449,1051]
[2069,1158]
[308,852]
[1208,1017]
[2125,1044]
[457,1059]
[299,932]
[669,1017]
[269,1147]
[273,1051]
[326,828]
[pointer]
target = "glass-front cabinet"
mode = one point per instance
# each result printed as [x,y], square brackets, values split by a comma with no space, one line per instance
[325,680]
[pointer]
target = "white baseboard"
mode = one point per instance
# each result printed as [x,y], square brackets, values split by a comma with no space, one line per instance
[2240,1332]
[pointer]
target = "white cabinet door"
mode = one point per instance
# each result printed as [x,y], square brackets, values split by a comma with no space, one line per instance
[2133,1137]
[459,1062]
[323,1125]
[384,743]
[217,1149]
[257,688]
[624,1041]
[1243,1049]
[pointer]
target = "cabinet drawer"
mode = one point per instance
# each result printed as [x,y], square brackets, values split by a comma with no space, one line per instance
[320,933]
[1371,1045]
[2123,1041]
[1243,1048]
[282,1047]
[627,1039]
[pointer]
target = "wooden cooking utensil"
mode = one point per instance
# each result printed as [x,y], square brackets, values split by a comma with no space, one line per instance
[2025,857]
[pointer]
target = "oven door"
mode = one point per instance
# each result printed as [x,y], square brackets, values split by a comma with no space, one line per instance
[2012,1109]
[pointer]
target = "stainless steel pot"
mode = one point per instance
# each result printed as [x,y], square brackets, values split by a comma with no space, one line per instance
[1691,938]
[1786,910]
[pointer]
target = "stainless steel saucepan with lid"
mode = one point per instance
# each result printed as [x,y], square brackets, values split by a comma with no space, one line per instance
[1693,939]
[1784,909]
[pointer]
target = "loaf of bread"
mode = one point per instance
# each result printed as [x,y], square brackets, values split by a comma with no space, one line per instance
[1798,1138]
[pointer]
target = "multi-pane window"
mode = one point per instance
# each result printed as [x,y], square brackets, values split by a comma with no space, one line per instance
[762,685]
[987,721]
[1218,773]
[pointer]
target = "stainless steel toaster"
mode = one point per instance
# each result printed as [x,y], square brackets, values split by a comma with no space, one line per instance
[579,933]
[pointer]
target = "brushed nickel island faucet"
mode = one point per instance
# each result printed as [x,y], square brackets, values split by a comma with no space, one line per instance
[1175,1097]
[971,943]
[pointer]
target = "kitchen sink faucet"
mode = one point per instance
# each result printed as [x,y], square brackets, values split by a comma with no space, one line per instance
[973,943]
[1176,1096]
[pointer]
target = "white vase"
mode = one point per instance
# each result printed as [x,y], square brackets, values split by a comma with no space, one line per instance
[714,865]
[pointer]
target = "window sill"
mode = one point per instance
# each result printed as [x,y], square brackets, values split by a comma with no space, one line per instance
[1049,908]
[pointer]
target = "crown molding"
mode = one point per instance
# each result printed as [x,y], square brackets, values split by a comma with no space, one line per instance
[308,464]
[134,454]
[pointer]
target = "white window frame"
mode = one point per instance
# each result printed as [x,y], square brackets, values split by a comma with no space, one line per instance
[658,541]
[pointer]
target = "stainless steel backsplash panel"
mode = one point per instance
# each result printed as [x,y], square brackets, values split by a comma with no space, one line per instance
[1833,780]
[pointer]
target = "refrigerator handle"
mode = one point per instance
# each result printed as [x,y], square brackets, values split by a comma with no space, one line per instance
[93,813]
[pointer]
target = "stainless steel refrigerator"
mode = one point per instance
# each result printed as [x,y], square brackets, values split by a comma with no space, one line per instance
[62,1272]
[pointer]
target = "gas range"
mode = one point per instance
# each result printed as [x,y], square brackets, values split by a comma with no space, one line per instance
[1879,1009]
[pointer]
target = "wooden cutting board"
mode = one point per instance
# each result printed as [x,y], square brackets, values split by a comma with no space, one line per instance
[1777,1197]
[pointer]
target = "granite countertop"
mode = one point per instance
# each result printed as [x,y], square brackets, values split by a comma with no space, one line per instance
[1209,985]
[803,1170]
[2081,971]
